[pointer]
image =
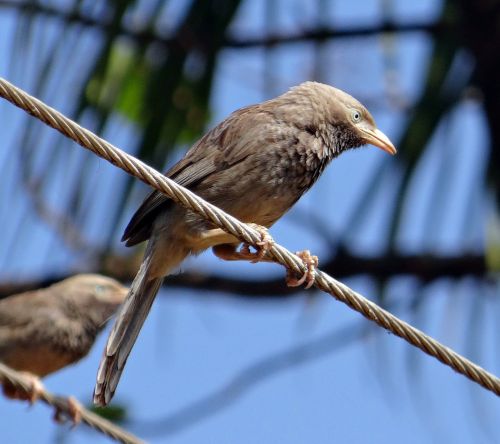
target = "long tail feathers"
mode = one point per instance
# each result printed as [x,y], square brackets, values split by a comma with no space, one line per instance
[130,319]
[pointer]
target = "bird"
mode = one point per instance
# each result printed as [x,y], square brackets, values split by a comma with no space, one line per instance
[44,330]
[254,165]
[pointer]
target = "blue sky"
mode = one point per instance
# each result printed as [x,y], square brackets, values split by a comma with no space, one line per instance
[364,385]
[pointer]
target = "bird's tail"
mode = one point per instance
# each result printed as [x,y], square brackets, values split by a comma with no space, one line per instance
[130,319]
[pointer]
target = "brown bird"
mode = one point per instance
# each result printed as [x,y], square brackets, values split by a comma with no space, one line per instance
[44,330]
[255,165]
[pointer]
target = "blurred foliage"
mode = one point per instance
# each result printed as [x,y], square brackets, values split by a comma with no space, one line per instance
[123,74]
[114,412]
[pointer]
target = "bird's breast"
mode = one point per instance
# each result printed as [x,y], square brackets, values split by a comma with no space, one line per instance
[266,186]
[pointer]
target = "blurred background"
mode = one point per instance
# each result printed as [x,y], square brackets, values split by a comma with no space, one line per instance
[229,354]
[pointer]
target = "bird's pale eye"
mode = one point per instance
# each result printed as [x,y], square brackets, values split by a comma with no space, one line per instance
[356,116]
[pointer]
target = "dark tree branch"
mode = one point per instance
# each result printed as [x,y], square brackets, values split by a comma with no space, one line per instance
[321,34]
[424,267]
[147,36]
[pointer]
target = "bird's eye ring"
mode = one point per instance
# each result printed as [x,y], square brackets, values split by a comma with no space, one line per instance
[356,115]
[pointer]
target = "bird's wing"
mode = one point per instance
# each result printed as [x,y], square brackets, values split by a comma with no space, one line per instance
[40,311]
[14,324]
[18,310]
[24,319]
[221,147]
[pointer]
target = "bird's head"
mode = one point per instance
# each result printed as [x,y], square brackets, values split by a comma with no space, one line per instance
[97,289]
[92,298]
[341,120]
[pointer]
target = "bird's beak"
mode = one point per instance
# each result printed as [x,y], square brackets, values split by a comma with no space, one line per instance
[377,138]
[121,294]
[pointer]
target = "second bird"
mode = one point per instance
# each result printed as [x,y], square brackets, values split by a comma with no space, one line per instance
[254,165]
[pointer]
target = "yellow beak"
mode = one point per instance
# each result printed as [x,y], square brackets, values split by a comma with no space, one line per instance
[377,138]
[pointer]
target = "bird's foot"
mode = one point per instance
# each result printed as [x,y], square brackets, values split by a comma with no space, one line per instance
[31,394]
[74,411]
[262,247]
[311,263]
[36,389]
[229,252]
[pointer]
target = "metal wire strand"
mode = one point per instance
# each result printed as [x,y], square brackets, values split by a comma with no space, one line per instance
[63,405]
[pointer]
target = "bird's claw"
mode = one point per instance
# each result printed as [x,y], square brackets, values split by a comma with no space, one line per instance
[36,389]
[31,394]
[262,247]
[74,411]
[311,263]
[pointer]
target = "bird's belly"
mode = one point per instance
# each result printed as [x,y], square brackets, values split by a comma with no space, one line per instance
[263,206]
[263,211]
[39,360]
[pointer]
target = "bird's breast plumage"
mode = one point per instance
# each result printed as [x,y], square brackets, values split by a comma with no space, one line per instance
[284,163]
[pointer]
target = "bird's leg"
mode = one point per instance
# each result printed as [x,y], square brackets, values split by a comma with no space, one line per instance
[311,262]
[208,238]
[75,409]
[31,394]
[228,252]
